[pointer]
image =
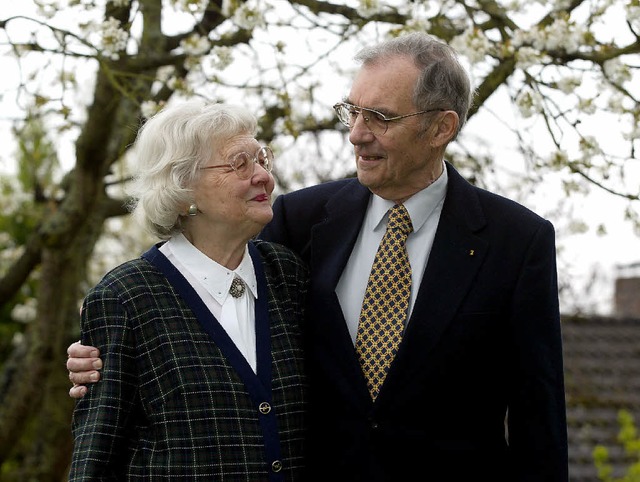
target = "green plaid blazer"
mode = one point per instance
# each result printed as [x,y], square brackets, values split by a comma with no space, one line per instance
[176,397]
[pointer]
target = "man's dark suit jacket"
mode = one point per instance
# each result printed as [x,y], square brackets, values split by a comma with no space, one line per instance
[484,339]
[177,400]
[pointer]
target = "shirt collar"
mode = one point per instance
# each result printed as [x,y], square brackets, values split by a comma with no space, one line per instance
[214,277]
[420,205]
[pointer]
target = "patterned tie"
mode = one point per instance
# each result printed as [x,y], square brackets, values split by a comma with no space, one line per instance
[386,299]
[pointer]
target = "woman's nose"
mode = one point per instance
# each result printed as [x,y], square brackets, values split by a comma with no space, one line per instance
[260,174]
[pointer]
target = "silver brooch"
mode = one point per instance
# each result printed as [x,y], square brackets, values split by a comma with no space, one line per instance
[237,288]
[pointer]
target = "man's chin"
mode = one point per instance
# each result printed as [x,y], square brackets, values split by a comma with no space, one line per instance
[368,179]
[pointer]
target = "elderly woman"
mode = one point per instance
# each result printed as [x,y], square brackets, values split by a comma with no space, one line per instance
[200,336]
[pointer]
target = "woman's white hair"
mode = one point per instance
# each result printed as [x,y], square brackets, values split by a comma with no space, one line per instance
[170,149]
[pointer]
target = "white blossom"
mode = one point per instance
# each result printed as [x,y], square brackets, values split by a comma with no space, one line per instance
[191,6]
[148,108]
[559,4]
[247,17]
[114,38]
[571,187]
[633,134]
[589,147]
[164,73]
[587,106]
[578,227]
[615,70]
[418,24]
[568,84]
[229,7]
[558,159]
[633,15]
[18,339]
[15,202]
[179,84]
[419,18]
[5,239]
[47,11]
[221,57]
[615,103]
[192,64]
[54,191]
[174,82]
[473,44]
[26,312]
[527,57]
[529,102]
[195,45]
[369,8]
[520,38]
[10,254]
[560,35]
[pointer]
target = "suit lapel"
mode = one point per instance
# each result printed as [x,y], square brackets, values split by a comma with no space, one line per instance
[332,241]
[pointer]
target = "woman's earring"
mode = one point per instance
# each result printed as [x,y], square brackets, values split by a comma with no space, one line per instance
[193,210]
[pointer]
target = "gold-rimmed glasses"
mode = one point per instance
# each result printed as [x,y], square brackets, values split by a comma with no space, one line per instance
[377,122]
[244,164]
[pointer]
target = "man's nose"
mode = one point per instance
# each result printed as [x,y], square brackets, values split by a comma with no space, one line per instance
[360,132]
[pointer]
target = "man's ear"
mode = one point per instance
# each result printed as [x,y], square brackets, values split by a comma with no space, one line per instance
[445,128]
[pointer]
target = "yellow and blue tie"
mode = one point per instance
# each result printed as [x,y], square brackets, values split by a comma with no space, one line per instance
[386,301]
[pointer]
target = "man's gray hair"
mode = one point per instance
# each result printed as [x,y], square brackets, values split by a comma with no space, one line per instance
[443,82]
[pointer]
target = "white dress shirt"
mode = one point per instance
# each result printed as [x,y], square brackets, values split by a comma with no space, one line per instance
[212,282]
[424,208]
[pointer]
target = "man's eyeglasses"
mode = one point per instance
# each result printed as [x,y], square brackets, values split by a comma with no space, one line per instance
[377,122]
[244,164]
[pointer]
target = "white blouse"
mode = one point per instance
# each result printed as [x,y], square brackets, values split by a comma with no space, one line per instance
[212,282]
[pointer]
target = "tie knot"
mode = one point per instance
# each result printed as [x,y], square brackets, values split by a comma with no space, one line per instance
[399,219]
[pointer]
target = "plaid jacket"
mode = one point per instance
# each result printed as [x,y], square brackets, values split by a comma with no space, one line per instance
[176,398]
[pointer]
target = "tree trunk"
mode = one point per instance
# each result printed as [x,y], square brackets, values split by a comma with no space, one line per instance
[35,422]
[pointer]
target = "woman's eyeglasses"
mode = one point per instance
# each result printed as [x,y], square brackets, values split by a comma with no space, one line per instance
[244,164]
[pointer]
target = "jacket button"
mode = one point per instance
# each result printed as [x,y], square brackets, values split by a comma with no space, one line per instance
[276,466]
[264,408]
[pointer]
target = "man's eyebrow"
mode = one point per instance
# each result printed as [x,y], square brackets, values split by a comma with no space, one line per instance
[381,110]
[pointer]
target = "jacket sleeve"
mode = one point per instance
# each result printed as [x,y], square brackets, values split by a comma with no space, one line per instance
[102,419]
[537,413]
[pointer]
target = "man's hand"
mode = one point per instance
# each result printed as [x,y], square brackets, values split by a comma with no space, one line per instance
[83,365]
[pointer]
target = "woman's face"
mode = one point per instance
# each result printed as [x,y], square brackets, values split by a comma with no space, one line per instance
[230,207]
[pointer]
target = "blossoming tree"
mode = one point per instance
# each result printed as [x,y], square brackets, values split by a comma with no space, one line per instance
[81,75]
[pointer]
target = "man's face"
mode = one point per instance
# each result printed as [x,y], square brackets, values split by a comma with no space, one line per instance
[401,162]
